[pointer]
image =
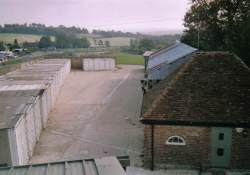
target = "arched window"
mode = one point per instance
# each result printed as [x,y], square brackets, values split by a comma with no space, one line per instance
[175,140]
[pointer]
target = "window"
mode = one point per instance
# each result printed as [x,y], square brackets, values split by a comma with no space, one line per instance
[220,151]
[175,140]
[221,136]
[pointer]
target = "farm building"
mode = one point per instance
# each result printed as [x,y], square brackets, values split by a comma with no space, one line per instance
[159,64]
[98,64]
[26,97]
[199,116]
[98,166]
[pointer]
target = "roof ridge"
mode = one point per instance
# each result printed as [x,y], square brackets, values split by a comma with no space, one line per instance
[165,49]
[170,84]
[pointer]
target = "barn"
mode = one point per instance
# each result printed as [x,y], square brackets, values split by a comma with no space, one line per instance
[159,64]
[26,98]
[98,64]
[199,116]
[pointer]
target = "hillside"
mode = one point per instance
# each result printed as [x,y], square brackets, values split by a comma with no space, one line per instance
[21,38]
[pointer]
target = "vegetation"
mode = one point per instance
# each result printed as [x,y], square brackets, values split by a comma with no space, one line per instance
[112,33]
[71,41]
[45,42]
[132,59]
[40,29]
[219,25]
[2,46]
[14,61]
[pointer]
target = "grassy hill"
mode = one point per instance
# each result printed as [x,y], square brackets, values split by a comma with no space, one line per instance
[114,41]
[21,38]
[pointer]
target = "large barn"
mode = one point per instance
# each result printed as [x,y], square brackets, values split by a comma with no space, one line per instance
[161,63]
[199,116]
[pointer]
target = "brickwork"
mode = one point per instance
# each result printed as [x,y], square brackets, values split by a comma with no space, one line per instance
[192,154]
[196,152]
[240,152]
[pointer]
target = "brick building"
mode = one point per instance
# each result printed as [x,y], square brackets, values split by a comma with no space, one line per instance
[199,116]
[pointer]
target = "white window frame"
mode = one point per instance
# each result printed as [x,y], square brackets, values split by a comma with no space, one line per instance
[168,142]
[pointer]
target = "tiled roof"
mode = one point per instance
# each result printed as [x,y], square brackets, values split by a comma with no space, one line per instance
[212,87]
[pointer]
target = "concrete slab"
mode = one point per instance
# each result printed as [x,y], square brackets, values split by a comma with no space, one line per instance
[96,115]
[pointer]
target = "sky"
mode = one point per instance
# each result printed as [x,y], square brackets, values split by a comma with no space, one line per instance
[125,15]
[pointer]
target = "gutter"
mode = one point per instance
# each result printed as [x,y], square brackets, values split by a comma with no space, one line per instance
[194,123]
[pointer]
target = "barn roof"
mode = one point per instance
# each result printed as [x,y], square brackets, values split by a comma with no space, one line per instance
[210,89]
[169,54]
[98,166]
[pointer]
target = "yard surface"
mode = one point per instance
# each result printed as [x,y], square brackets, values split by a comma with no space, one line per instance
[96,114]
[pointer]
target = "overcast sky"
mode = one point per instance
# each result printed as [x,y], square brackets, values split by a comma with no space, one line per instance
[126,15]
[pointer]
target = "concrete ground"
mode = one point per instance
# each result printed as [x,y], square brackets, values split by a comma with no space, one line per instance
[96,114]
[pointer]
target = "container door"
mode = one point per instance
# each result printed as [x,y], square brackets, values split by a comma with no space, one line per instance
[221,139]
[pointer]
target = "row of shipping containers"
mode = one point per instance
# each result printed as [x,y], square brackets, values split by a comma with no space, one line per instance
[26,98]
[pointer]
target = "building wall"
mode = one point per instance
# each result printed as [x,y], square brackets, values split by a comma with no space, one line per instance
[5,157]
[190,155]
[165,69]
[196,152]
[240,150]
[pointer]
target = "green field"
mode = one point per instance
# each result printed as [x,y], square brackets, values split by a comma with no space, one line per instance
[21,38]
[114,41]
[125,58]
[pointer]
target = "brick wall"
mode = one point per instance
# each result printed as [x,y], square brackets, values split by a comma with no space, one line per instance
[196,150]
[190,155]
[240,151]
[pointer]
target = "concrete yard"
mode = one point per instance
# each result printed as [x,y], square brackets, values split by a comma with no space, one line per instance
[96,114]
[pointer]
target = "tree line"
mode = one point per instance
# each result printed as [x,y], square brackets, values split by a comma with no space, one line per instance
[61,41]
[214,25]
[40,29]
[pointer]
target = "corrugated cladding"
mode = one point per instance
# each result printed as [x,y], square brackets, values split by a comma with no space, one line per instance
[165,61]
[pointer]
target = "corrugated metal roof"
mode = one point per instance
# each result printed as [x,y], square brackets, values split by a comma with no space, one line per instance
[100,166]
[170,54]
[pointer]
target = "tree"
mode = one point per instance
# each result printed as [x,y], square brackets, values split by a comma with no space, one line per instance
[145,44]
[45,42]
[2,47]
[15,45]
[219,25]
[107,43]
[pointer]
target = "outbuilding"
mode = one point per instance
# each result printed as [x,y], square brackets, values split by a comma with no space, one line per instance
[199,116]
[160,64]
